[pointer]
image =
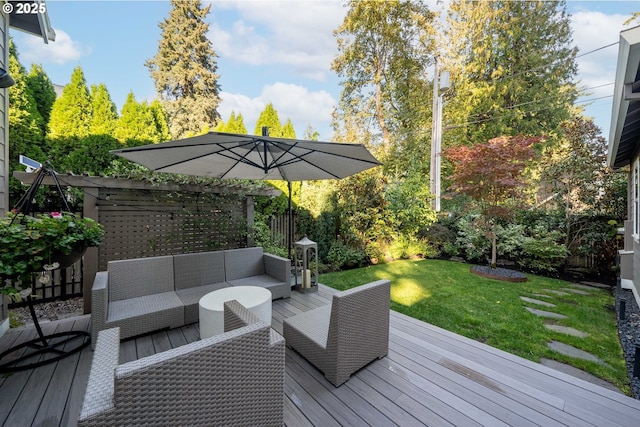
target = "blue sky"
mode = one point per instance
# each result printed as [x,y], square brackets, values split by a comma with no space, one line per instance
[269,51]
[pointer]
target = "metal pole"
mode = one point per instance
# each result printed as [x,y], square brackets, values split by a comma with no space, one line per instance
[438,153]
[290,231]
[435,149]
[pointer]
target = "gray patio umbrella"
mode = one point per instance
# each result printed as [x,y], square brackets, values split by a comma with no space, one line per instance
[227,155]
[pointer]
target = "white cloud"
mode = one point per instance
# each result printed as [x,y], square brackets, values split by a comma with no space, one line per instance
[62,51]
[291,101]
[592,30]
[298,34]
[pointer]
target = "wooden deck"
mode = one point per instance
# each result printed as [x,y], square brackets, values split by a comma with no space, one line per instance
[430,377]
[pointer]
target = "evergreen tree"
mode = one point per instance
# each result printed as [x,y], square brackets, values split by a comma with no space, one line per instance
[161,121]
[512,67]
[184,69]
[71,112]
[43,92]
[105,115]
[221,126]
[235,124]
[311,134]
[269,118]
[384,48]
[288,130]
[137,123]
[25,124]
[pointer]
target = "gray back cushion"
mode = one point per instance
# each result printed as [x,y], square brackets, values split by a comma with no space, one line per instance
[246,262]
[131,278]
[198,269]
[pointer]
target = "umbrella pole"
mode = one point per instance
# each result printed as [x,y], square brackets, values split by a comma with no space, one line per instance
[290,237]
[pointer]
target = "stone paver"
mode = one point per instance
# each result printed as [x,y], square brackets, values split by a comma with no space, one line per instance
[581,286]
[578,373]
[567,330]
[537,302]
[576,291]
[542,313]
[571,351]
[565,349]
[553,291]
[595,285]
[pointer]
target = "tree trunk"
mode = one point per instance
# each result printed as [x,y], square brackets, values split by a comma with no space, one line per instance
[494,250]
[381,122]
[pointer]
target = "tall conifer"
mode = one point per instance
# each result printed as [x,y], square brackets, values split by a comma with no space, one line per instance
[71,113]
[269,118]
[43,92]
[184,69]
[512,68]
[137,123]
[25,123]
[105,115]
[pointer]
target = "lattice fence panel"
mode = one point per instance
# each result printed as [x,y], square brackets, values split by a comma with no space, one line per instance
[142,223]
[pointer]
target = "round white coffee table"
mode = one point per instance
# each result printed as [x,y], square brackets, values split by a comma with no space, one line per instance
[211,306]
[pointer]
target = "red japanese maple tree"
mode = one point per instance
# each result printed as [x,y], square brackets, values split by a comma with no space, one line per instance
[491,174]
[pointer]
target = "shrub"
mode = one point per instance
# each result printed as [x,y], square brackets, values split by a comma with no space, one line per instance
[404,247]
[341,255]
[542,252]
[440,238]
[262,236]
[472,243]
[510,240]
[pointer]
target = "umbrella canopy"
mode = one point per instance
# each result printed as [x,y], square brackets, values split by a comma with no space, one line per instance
[226,155]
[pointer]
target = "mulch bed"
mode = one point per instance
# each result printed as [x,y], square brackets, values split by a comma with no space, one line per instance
[504,274]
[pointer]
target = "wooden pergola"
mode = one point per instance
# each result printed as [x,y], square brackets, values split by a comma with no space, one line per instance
[143,218]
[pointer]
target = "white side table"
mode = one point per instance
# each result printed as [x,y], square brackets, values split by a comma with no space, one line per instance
[211,306]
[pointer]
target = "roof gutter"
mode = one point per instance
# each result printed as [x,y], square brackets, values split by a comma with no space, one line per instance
[626,71]
[36,24]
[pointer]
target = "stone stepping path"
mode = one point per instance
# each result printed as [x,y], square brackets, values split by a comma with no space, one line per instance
[591,285]
[579,373]
[576,291]
[553,291]
[542,313]
[567,330]
[573,352]
[557,346]
[586,287]
[537,302]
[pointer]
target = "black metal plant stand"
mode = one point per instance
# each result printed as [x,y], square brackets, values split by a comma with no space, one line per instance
[58,345]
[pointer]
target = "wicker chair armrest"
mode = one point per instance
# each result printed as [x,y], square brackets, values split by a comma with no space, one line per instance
[277,267]
[99,304]
[237,316]
[174,357]
[100,388]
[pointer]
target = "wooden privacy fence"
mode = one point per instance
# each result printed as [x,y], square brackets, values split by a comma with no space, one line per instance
[280,229]
[144,219]
[141,223]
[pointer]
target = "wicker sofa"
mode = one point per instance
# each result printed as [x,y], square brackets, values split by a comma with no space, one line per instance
[232,379]
[146,294]
[346,335]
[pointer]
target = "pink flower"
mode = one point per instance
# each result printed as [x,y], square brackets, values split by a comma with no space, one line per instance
[57,215]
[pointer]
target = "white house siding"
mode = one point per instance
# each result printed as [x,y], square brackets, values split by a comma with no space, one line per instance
[4,120]
[4,147]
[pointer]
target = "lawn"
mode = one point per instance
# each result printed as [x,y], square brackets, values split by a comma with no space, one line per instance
[447,295]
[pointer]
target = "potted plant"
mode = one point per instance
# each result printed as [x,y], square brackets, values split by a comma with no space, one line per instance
[44,242]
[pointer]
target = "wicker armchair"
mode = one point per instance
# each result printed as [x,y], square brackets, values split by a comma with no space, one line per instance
[232,379]
[343,337]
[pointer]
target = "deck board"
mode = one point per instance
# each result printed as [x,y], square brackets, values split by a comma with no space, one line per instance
[430,377]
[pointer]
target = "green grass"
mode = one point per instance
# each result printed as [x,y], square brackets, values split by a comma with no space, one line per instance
[447,295]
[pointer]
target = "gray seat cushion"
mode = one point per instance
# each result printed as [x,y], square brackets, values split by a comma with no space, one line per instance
[191,296]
